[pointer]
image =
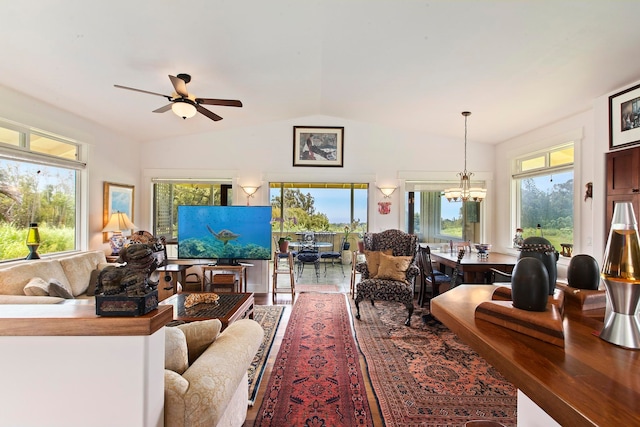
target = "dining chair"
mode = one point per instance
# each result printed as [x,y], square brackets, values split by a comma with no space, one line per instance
[283,266]
[497,276]
[308,254]
[334,256]
[431,277]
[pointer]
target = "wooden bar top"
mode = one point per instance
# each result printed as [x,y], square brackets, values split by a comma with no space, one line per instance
[77,320]
[589,382]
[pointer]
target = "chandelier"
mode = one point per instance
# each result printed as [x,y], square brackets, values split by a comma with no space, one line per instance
[465,192]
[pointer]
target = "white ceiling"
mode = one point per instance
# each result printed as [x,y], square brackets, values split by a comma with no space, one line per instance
[516,65]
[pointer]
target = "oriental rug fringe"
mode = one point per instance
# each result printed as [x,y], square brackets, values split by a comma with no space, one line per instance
[269,318]
[424,375]
[316,379]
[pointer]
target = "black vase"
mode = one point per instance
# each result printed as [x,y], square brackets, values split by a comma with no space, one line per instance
[541,249]
[583,272]
[530,285]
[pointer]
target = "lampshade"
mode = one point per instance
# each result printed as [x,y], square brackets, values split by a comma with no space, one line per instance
[184,108]
[119,222]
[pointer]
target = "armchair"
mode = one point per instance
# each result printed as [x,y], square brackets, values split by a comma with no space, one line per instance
[390,270]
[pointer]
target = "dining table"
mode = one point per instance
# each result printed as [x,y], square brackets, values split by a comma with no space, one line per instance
[474,269]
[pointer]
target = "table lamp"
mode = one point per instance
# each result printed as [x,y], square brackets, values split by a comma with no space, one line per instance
[33,241]
[621,276]
[118,223]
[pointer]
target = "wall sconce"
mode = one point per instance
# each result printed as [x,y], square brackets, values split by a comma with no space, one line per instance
[249,191]
[387,191]
[33,241]
[118,223]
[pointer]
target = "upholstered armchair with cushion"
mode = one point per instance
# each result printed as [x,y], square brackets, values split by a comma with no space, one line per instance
[205,377]
[390,269]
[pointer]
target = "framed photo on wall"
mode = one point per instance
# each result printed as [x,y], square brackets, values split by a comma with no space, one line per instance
[624,118]
[117,198]
[318,146]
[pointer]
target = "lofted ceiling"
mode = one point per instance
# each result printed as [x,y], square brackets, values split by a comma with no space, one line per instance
[415,65]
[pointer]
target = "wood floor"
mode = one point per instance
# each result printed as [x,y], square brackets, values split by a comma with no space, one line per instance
[334,277]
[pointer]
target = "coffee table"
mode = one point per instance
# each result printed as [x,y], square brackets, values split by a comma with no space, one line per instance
[229,308]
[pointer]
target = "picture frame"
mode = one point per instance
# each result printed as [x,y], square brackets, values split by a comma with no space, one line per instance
[117,197]
[318,146]
[624,118]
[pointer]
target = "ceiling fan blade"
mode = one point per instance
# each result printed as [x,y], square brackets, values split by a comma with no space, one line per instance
[163,109]
[143,91]
[180,86]
[224,102]
[210,114]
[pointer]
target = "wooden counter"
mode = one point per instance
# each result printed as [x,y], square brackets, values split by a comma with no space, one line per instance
[76,320]
[588,383]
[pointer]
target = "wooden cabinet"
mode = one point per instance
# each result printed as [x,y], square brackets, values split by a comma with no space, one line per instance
[623,181]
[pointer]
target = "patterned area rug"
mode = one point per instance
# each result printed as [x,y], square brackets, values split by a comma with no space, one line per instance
[316,379]
[425,375]
[269,318]
[317,288]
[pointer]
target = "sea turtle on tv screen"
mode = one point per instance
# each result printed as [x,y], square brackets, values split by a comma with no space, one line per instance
[223,235]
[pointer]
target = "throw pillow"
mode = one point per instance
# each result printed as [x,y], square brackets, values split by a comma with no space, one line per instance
[37,287]
[394,267]
[373,260]
[57,289]
[176,357]
[93,282]
[200,335]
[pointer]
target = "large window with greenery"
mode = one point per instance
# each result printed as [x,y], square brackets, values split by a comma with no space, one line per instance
[39,183]
[332,207]
[543,185]
[168,194]
[435,219]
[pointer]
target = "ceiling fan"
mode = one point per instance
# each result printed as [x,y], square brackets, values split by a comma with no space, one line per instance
[183,103]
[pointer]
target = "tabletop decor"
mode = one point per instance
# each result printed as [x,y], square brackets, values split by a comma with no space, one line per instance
[125,290]
[318,146]
[624,120]
[542,249]
[621,276]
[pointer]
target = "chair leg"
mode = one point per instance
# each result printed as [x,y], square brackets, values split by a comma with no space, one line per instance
[357,308]
[410,309]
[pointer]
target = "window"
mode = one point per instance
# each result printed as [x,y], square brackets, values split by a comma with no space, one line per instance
[39,183]
[318,207]
[435,219]
[168,194]
[543,184]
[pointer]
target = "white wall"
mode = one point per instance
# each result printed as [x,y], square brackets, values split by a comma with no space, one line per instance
[111,156]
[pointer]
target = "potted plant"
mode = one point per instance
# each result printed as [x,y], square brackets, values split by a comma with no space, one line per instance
[346,245]
[283,243]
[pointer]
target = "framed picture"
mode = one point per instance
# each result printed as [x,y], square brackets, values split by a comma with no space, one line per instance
[624,118]
[117,198]
[318,146]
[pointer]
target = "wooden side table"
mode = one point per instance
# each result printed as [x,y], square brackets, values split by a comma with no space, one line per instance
[170,275]
[239,270]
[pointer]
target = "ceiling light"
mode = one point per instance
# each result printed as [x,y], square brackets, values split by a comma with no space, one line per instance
[184,108]
[465,191]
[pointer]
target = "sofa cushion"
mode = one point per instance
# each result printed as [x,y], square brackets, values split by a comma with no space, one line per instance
[14,279]
[373,260]
[176,356]
[57,289]
[200,335]
[393,267]
[37,287]
[78,268]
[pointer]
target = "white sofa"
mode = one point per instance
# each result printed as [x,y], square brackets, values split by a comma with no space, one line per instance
[205,379]
[72,273]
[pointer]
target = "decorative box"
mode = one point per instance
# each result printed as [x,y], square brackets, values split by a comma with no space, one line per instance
[121,305]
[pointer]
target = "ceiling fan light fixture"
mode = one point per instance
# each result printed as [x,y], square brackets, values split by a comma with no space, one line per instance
[183,108]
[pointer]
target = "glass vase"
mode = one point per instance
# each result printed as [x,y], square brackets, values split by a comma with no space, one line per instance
[621,276]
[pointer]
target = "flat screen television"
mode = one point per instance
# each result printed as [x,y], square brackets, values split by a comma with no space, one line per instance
[226,233]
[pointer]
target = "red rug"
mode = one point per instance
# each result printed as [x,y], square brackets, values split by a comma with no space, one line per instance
[316,379]
[424,375]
